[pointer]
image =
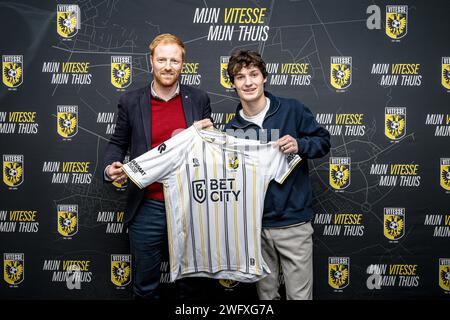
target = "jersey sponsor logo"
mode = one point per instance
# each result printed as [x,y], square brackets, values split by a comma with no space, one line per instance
[445,76]
[12,70]
[445,173]
[224,78]
[395,123]
[338,272]
[68,20]
[13,169]
[341,72]
[199,190]
[13,268]
[121,71]
[396,21]
[394,223]
[67,219]
[339,173]
[444,273]
[67,121]
[121,269]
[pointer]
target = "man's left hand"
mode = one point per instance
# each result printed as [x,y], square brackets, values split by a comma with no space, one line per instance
[288,144]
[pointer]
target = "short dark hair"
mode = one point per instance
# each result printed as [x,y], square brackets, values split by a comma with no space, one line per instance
[245,59]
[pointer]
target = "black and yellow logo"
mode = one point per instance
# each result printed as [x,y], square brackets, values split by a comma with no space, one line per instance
[339,173]
[67,121]
[228,284]
[13,165]
[13,268]
[67,219]
[67,20]
[445,77]
[121,71]
[233,161]
[120,269]
[396,21]
[395,123]
[224,78]
[444,274]
[445,173]
[394,223]
[121,185]
[341,72]
[338,272]
[12,70]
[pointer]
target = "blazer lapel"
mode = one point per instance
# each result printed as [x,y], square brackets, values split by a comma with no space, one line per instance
[187,106]
[146,115]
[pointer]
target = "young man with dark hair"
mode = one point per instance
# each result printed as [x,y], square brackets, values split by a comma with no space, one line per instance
[287,231]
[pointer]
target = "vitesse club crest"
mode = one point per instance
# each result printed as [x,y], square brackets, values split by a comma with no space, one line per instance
[13,165]
[121,71]
[233,160]
[228,284]
[13,268]
[67,20]
[339,172]
[394,223]
[338,272]
[67,121]
[445,77]
[224,78]
[341,72]
[395,122]
[67,219]
[121,269]
[12,70]
[444,273]
[445,173]
[396,21]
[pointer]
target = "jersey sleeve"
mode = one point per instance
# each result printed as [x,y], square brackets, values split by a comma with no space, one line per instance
[280,165]
[157,164]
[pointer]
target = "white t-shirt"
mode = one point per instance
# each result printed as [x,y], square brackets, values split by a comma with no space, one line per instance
[214,188]
[259,118]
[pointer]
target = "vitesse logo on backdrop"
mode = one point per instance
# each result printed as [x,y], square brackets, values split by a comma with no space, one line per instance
[67,20]
[13,165]
[394,223]
[395,122]
[341,72]
[121,269]
[339,172]
[67,219]
[224,78]
[396,21]
[67,121]
[445,77]
[444,273]
[121,71]
[338,272]
[13,268]
[445,173]
[12,70]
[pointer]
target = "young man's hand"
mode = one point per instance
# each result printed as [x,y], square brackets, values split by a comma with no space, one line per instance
[288,144]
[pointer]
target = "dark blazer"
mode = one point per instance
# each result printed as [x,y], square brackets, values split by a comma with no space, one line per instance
[133,131]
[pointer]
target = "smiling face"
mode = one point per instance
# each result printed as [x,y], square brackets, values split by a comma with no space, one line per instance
[167,61]
[249,85]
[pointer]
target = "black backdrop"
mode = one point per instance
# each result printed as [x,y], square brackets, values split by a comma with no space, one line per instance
[379,233]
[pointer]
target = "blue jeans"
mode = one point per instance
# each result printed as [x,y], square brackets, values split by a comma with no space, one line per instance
[148,245]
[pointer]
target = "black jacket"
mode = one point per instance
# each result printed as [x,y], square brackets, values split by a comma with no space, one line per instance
[133,131]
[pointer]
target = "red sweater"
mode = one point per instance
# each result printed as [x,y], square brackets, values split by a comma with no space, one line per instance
[166,118]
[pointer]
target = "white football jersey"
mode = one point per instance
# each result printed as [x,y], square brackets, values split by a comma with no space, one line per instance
[214,188]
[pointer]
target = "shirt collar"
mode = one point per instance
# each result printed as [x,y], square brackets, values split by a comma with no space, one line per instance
[155,95]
